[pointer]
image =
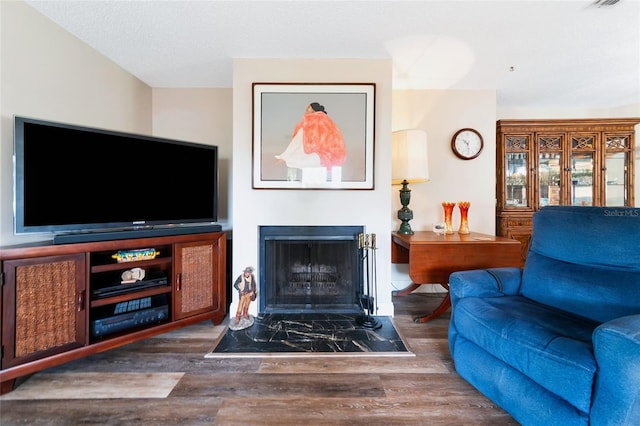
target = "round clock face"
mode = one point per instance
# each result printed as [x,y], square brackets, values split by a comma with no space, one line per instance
[467,144]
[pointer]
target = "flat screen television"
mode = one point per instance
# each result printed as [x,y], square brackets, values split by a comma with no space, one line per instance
[75,179]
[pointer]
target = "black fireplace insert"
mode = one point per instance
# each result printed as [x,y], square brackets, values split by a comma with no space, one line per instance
[307,269]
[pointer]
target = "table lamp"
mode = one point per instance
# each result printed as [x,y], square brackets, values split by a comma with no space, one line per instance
[409,165]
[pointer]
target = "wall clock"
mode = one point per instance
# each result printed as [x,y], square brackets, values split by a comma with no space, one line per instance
[467,144]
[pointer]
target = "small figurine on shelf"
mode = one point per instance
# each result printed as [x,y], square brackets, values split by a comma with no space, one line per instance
[246,286]
[135,255]
[132,275]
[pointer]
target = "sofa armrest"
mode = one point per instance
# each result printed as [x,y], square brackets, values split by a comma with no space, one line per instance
[491,282]
[616,397]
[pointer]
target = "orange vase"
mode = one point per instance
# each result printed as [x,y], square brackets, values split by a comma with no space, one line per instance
[448,215]
[464,217]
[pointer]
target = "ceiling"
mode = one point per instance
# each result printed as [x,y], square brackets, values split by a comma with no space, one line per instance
[535,54]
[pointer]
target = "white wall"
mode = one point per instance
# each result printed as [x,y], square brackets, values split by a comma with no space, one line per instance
[523,113]
[203,116]
[441,113]
[253,208]
[49,74]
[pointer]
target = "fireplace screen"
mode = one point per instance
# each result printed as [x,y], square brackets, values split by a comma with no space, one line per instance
[310,269]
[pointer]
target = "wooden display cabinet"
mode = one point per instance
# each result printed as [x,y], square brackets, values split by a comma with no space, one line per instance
[539,163]
[64,302]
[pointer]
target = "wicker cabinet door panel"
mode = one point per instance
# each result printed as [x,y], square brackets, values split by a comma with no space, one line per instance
[43,310]
[197,286]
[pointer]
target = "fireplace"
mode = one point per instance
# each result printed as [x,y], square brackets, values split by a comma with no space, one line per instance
[306,269]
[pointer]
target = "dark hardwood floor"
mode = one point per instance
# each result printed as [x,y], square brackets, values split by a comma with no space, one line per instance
[166,380]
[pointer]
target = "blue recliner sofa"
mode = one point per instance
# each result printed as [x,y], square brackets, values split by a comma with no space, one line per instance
[558,341]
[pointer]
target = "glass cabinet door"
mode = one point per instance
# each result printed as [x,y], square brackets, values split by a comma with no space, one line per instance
[517,171]
[615,179]
[582,170]
[616,169]
[550,167]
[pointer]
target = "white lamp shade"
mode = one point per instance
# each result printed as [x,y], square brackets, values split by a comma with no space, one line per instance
[409,156]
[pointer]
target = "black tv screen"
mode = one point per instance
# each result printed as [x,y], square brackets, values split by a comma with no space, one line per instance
[73,178]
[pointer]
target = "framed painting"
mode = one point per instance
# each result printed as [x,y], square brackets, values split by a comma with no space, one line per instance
[313,135]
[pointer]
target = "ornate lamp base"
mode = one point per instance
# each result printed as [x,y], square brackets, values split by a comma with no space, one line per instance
[405,214]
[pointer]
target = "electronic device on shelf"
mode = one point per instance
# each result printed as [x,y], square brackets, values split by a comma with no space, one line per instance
[118,289]
[133,186]
[130,314]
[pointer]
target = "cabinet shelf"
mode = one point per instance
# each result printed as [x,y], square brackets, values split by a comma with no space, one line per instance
[165,289]
[160,261]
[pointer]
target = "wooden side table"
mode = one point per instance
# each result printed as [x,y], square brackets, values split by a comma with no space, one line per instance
[433,257]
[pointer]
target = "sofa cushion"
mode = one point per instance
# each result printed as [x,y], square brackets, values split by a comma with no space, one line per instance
[548,345]
[594,236]
[585,260]
[588,291]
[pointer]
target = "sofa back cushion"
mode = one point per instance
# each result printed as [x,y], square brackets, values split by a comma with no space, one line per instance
[585,260]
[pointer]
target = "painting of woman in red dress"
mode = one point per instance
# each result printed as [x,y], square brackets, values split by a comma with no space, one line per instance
[317,146]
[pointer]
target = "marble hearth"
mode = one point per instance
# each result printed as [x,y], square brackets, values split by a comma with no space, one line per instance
[310,269]
[304,334]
